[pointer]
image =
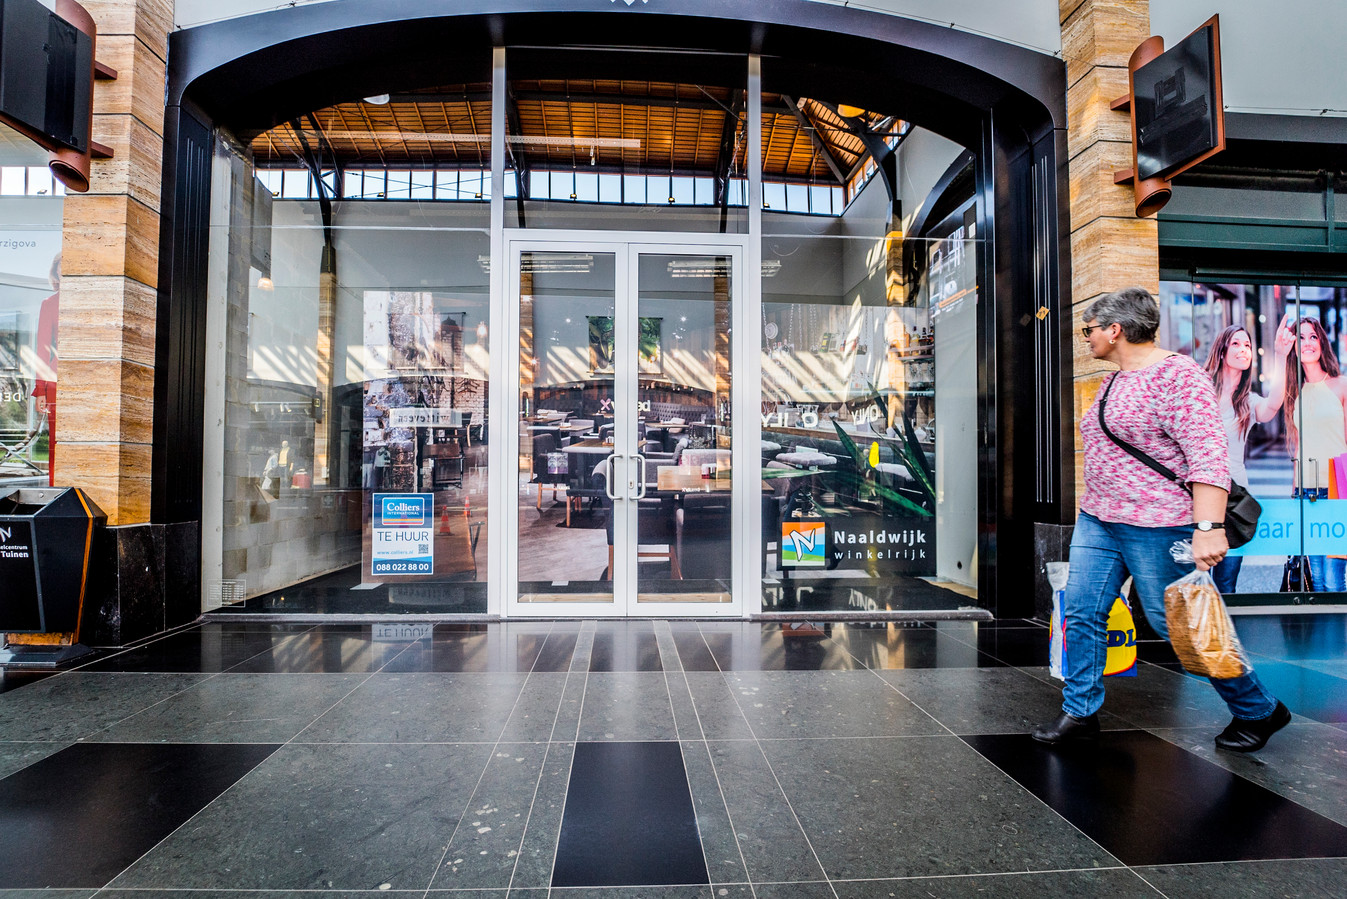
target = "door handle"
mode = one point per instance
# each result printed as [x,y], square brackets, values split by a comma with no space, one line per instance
[608,477]
[639,462]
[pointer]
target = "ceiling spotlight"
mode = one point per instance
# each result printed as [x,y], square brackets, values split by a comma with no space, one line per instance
[671,199]
[378,99]
[481,330]
[850,111]
[265,283]
[572,195]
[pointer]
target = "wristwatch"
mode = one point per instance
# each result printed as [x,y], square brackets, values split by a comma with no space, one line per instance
[1211,525]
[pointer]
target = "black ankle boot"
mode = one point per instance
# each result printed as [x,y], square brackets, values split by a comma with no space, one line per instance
[1067,729]
[1244,735]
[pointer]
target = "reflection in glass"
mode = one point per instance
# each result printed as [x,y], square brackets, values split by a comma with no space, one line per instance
[1275,351]
[566,426]
[30,280]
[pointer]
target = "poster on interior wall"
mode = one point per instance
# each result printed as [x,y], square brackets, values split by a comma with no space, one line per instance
[649,348]
[402,538]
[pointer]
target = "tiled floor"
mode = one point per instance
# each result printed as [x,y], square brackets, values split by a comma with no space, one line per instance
[661,759]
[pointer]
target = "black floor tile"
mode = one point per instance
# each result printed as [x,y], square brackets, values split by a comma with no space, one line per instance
[556,652]
[629,646]
[629,819]
[1149,802]
[325,650]
[209,648]
[1305,691]
[78,818]
[781,646]
[1022,647]
[14,678]
[461,648]
[901,645]
[1294,637]
[693,651]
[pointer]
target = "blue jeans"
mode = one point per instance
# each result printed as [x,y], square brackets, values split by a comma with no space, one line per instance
[1102,555]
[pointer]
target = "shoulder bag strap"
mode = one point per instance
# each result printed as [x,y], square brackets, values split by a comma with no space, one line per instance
[1129,448]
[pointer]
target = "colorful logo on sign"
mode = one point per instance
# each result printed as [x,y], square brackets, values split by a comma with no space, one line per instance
[404,512]
[803,544]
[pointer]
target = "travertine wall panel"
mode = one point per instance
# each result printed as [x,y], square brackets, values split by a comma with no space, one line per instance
[109,265]
[1110,247]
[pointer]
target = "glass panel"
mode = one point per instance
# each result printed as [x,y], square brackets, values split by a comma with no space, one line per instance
[682,138]
[1274,351]
[353,404]
[30,284]
[683,362]
[566,393]
[869,411]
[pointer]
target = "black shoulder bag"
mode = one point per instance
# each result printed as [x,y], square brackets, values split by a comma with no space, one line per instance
[1241,509]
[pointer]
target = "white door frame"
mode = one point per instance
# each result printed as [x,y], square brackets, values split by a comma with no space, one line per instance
[746,547]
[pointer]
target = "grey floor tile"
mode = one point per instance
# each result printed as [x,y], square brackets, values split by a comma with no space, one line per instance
[1290,879]
[719,715]
[1306,762]
[627,705]
[236,708]
[640,892]
[534,716]
[1158,697]
[323,817]
[567,728]
[77,705]
[421,708]
[770,839]
[921,806]
[984,700]
[686,724]
[17,756]
[539,847]
[1108,883]
[814,704]
[46,894]
[818,890]
[485,847]
[719,845]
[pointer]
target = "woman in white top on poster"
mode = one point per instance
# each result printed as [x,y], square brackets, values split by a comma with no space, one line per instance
[1230,365]
[1316,430]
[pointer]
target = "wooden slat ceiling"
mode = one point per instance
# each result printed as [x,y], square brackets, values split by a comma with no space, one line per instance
[631,126]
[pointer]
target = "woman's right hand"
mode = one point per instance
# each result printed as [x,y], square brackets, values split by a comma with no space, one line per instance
[1285,337]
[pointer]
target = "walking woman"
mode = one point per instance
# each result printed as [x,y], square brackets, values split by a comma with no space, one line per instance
[1163,404]
[1316,430]
[1231,368]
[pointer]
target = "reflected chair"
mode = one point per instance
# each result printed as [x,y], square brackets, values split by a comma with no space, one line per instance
[592,486]
[702,536]
[545,445]
[655,534]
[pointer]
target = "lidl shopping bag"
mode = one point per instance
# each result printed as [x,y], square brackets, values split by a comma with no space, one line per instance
[1121,658]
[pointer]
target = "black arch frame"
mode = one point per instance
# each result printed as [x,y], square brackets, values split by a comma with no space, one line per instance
[1006,103]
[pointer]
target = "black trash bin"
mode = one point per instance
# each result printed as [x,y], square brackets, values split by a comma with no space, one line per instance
[47,537]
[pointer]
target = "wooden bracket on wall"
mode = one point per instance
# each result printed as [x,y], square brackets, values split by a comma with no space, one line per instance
[103,72]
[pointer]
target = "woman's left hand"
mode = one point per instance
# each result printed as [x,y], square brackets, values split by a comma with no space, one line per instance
[1209,548]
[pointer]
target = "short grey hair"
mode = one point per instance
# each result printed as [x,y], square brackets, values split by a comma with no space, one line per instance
[1133,308]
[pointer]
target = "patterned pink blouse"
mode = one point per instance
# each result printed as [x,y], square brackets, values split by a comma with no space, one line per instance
[1168,411]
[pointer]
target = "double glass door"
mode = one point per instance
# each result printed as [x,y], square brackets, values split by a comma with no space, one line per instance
[625,491]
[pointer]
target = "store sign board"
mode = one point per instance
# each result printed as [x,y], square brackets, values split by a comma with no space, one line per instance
[402,534]
[1177,99]
[19,611]
[878,543]
[412,417]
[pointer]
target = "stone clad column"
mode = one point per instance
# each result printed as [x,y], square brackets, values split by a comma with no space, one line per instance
[1110,247]
[109,264]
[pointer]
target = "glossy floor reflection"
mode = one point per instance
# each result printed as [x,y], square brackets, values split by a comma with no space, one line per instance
[661,759]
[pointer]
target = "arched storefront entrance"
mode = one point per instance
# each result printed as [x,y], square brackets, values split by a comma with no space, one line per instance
[457,305]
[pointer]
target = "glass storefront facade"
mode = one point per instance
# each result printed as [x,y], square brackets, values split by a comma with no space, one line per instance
[434,398]
[31,205]
[1274,349]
